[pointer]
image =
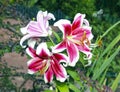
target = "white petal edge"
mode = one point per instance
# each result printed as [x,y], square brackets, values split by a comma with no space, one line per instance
[29,53]
[30,72]
[76,59]
[65,62]
[24,38]
[65,74]
[45,13]
[51,16]
[60,23]
[89,28]
[24,30]
[79,14]
[31,42]
[45,79]
[42,46]
[86,22]
[88,53]
[58,50]
[89,63]
[29,62]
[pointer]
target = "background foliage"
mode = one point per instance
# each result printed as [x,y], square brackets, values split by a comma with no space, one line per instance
[102,14]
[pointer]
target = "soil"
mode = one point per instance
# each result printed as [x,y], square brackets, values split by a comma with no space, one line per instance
[13,60]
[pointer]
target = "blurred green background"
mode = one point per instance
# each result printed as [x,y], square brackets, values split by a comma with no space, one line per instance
[100,13]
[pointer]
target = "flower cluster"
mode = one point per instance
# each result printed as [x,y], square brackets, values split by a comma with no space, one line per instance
[52,61]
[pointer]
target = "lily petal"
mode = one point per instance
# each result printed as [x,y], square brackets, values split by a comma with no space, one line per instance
[89,34]
[40,19]
[85,21]
[50,16]
[67,29]
[73,53]
[78,21]
[89,63]
[48,76]
[59,71]
[32,42]
[24,30]
[86,50]
[39,28]
[79,32]
[60,57]
[34,27]
[35,65]
[31,52]
[59,47]
[24,38]
[42,50]
[60,24]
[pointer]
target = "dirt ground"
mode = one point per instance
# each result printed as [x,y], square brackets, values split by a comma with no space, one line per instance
[14,61]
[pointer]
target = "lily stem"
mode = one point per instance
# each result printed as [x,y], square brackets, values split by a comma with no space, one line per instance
[51,40]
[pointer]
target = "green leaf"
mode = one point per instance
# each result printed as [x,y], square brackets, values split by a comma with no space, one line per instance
[115,83]
[105,64]
[107,50]
[107,31]
[74,75]
[12,1]
[62,87]
[73,87]
[111,45]
[48,91]
[102,80]
[31,3]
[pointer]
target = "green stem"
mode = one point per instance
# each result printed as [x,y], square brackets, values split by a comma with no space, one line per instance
[51,40]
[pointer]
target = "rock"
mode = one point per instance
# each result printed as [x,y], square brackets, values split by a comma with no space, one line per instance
[15,62]
[12,21]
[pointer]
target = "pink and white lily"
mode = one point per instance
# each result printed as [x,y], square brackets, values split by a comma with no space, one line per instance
[76,37]
[47,63]
[39,28]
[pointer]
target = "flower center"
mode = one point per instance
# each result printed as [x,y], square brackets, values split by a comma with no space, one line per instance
[45,66]
[81,41]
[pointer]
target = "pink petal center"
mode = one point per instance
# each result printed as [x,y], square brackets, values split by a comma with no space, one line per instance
[79,40]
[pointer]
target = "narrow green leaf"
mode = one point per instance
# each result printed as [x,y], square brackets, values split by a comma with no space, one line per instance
[94,90]
[73,87]
[102,80]
[63,87]
[105,64]
[31,3]
[74,75]
[107,31]
[109,47]
[48,91]
[115,83]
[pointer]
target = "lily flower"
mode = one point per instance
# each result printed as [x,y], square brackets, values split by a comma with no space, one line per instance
[39,28]
[46,63]
[76,37]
